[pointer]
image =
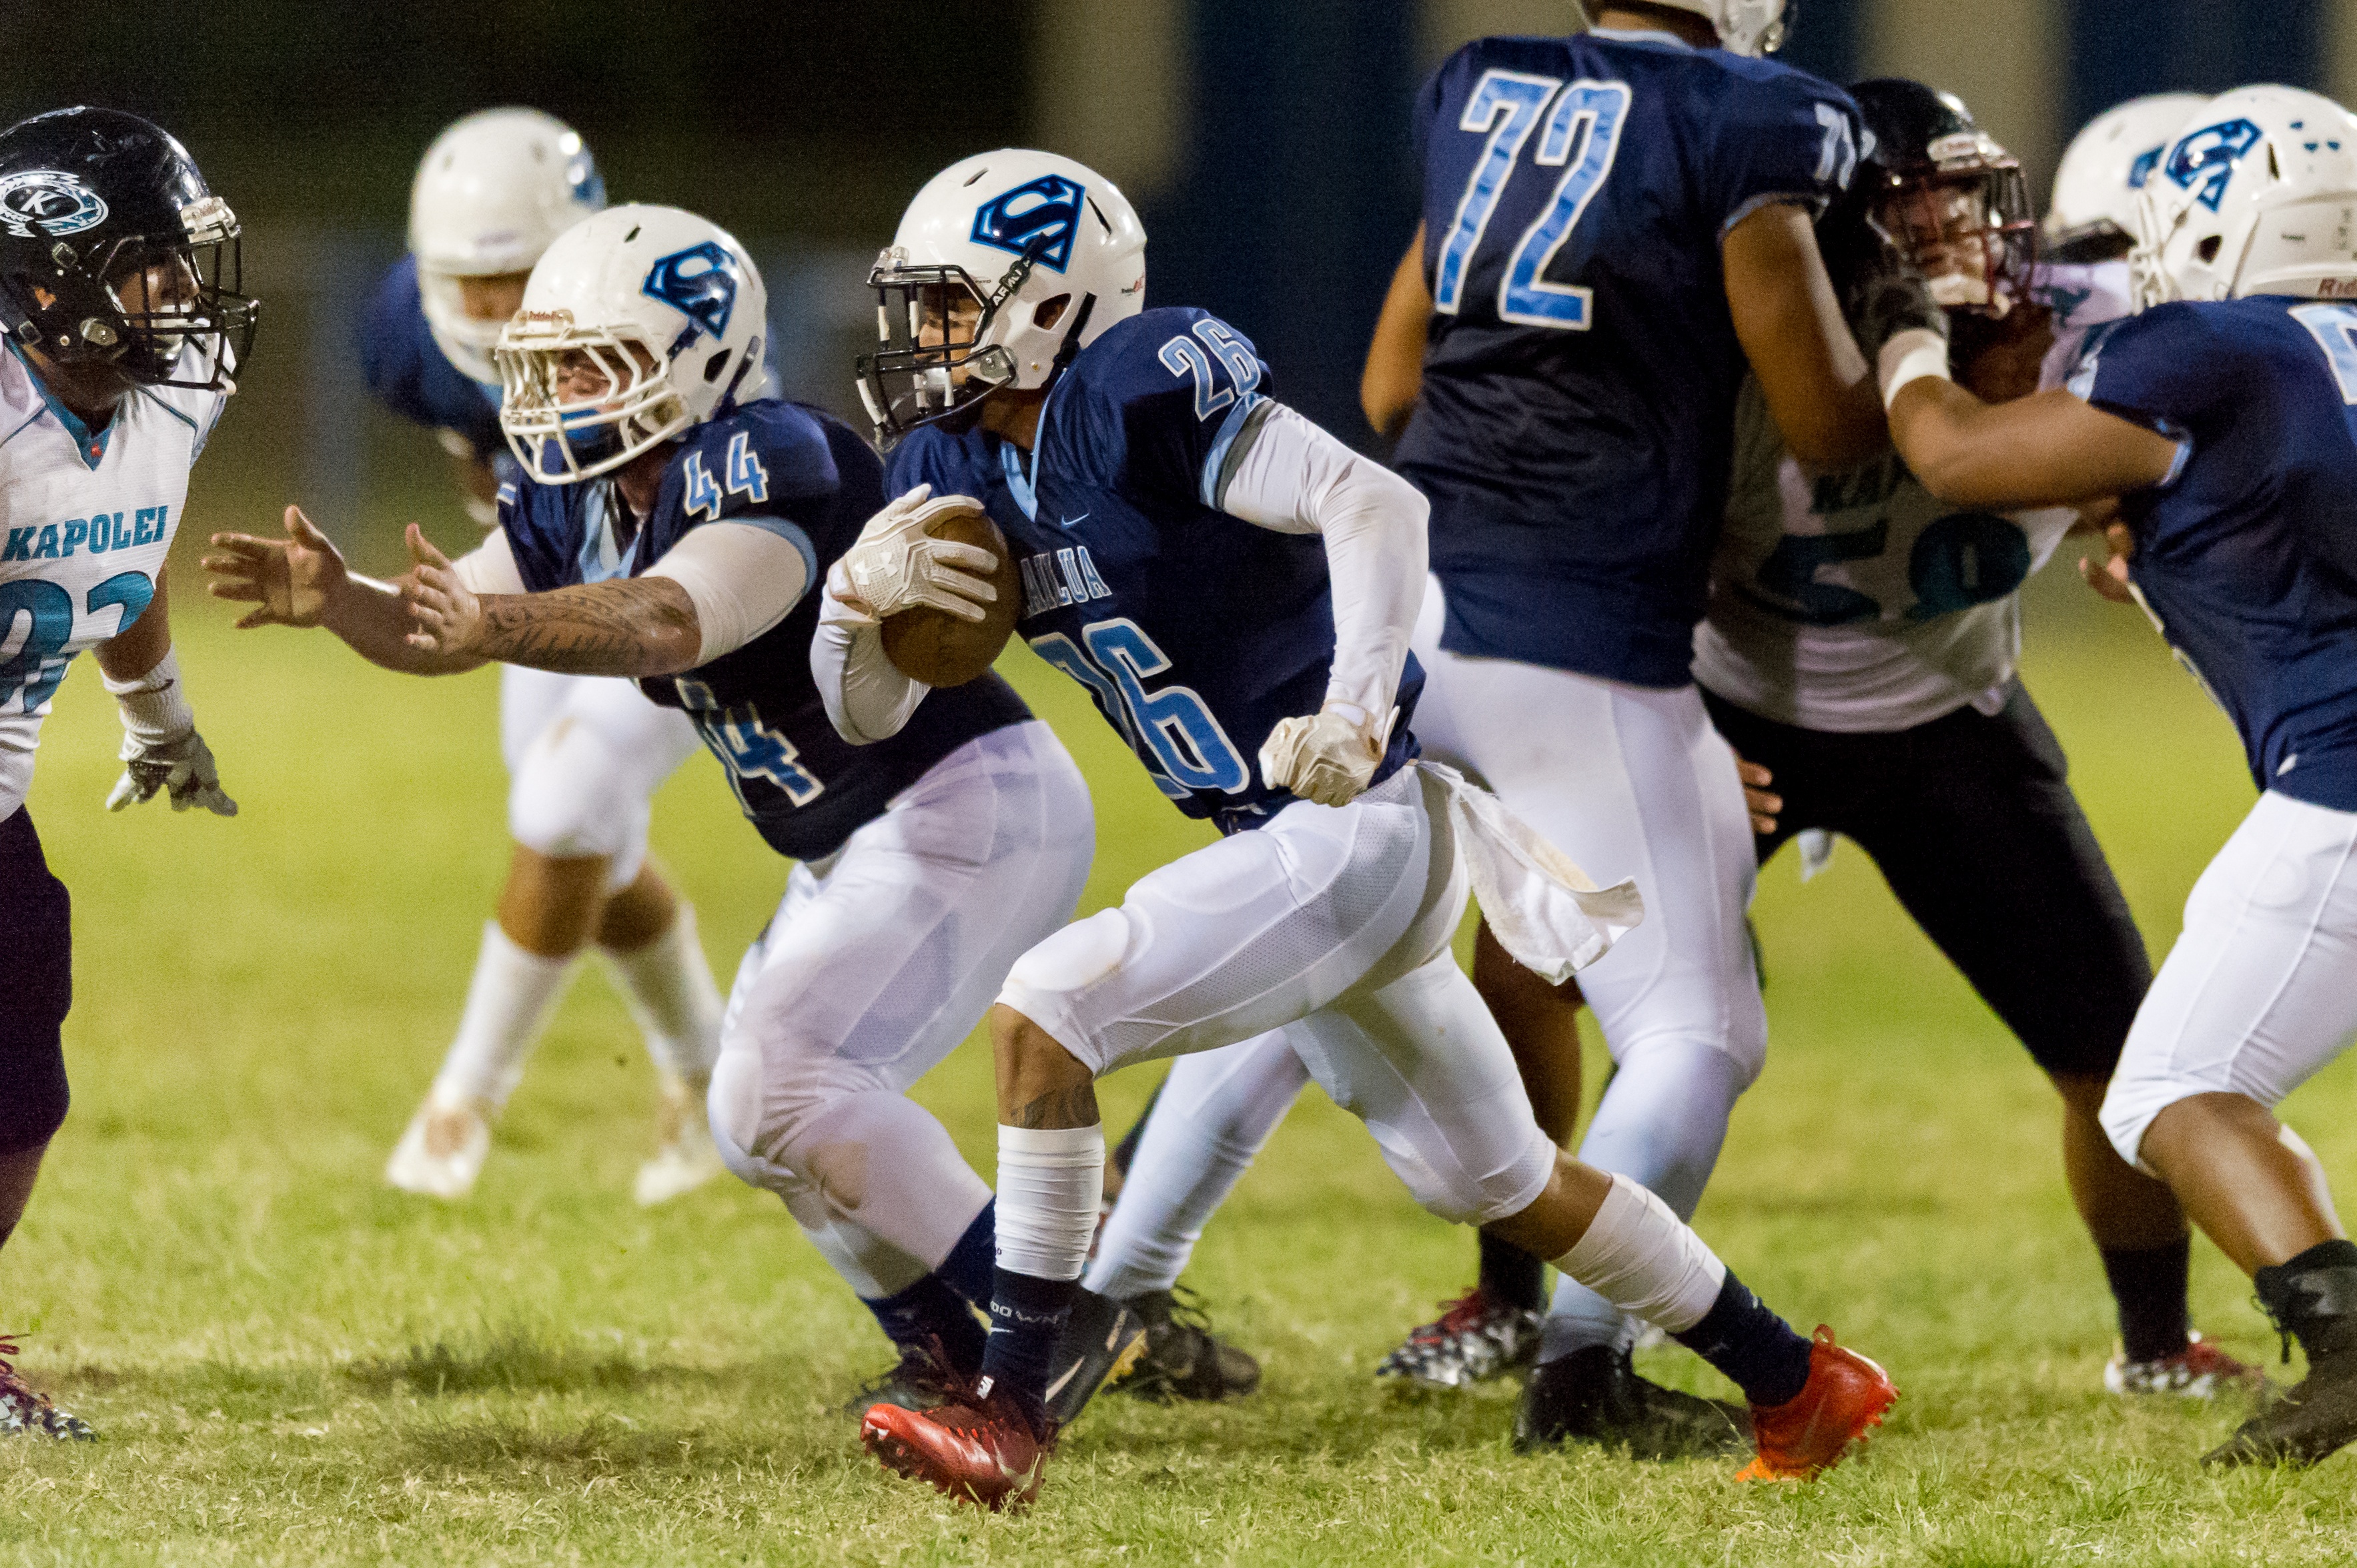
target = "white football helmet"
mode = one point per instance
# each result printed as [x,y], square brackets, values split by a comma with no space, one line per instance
[2094,205]
[494,189]
[2256,195]
[1004,266]
[1745,27]
[637,325]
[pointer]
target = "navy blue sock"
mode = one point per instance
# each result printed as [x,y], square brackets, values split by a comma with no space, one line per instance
[1751,1345]
[1511,1276]
[929,1314]
[1026,1318]
[2149,1284]
[967,1268]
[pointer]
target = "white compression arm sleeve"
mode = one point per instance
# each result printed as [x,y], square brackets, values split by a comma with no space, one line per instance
[741,578]
[489,568]
[1293,478]
[867,699]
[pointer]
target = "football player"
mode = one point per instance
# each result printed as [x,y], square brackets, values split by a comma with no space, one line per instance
[584,754]
[1236,589]
[667,526]
[2092,218]
[2221,417]
[119,293]
[1616,225]
[1860,653]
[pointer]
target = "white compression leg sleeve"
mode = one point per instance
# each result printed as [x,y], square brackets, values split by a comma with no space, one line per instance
[1646,1261]
[1216,1113]
[1051,1181]
[669,988]
[1662,1122]
[506,1004]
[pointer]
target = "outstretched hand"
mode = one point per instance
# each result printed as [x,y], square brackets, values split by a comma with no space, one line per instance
[288,581]
[450,616]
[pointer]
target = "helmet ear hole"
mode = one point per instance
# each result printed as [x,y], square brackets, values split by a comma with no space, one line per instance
[714,366]
[1050,311]
[2208,249]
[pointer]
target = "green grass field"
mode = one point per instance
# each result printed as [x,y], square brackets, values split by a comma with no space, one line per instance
[292,1364]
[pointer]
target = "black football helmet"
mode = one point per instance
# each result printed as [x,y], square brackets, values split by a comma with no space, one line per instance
[1941,189]
[113,248]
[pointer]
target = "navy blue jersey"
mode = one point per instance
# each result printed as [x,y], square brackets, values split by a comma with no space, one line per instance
[809,477]
[1195,631]
[1581,368]
[2248,556]
[408,373]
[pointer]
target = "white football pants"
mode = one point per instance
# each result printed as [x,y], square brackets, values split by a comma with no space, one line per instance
[879,963]
[1332,925]
[2260,991]
[1627,781]
[585,755]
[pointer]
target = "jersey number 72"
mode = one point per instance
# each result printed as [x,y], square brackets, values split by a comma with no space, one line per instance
[1586,121]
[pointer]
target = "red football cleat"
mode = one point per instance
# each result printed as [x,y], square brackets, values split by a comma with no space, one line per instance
[1844,1398]
[980,1448]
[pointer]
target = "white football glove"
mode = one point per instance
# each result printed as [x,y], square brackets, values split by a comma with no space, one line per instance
[1329,758]
[184,765]
[893,566]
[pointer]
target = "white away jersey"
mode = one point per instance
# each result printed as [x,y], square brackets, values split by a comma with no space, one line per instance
[84,525]
[1855,603]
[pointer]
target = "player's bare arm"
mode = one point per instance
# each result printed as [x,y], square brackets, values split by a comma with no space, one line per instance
[1394,372]
[1818,384]
[2048,449]
[141,646]
[635,626]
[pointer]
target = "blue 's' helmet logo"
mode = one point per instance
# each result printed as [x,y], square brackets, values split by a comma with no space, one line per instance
[2140,171]
[2207,159]
[1046,213]
[699,283]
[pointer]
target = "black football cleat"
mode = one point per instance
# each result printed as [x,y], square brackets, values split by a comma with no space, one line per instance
[922,1380]
[1182,1359]
[1594,1395]
[1102,1340]
[2301,1425]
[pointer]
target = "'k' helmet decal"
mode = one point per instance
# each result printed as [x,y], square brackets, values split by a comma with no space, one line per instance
[2208,156]
[699,283]
[1046,212]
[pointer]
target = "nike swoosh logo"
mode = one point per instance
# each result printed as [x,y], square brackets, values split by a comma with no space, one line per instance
[1076,521]
[1058,1386]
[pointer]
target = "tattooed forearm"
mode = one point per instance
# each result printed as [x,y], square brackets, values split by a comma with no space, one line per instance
[643,626]
[1073,1107]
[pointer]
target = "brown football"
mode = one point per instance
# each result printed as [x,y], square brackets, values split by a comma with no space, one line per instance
[934,646]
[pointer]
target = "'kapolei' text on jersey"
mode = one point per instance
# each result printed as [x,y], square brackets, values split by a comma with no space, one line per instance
[808,477]
[2247,554]
[85,523]
[1582,366]
[1194,630]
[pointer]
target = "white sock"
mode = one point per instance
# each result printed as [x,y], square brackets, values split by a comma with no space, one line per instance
[668,986]
[1644,1259]
[1051,1181]
[507,1002]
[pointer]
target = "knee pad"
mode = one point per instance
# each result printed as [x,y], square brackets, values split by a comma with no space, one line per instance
[568,800]
[1073,959]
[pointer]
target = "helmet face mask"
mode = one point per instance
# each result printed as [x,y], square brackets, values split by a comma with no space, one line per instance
[638,325]
[935,360]
[1971,235]
[113,252]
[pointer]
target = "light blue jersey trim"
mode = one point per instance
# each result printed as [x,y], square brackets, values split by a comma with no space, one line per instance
[82,439]
[599,560]
[1229,429]
[176,414]
[1018,482]
[792,532]
[1640,35]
